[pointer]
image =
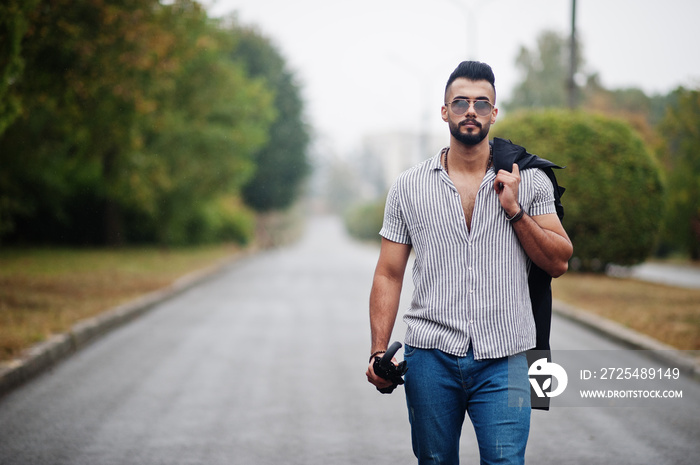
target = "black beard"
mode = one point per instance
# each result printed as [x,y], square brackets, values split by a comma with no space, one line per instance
[468,139]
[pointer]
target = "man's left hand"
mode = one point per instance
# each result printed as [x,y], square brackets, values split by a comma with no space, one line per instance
[506,186]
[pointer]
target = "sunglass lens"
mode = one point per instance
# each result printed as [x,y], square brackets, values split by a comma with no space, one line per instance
[459,107]
[482,107]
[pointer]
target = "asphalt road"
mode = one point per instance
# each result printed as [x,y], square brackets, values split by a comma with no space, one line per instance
[264,364]
[683,276]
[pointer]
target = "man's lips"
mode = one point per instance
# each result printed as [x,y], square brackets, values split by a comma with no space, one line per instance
[470,123]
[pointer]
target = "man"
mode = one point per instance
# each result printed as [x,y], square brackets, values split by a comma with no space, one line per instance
[474,232]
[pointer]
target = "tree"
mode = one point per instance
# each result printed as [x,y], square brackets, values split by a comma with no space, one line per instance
[13,26]
[643,112]
[282,164]
[544,73]
[614,199]
[87,65]
[205,131]
[680,129]
[135,120]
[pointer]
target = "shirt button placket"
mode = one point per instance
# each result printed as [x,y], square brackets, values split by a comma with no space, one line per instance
[471,279]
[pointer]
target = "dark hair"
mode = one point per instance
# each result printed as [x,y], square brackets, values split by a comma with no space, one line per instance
[474,71]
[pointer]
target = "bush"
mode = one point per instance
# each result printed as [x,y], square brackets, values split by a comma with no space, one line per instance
[614,200]
[364,221]
[223,220]
[220,220]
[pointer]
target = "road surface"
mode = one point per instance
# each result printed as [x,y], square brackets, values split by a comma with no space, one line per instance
[681,276]
[264,364]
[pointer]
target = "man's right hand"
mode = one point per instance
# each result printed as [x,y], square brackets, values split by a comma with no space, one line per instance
[378,381]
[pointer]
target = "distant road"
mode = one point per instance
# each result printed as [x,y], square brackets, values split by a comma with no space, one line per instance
[264,364]
[681,276]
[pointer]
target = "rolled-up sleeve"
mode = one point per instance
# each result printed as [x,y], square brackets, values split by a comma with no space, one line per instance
[394,227]
[543,199]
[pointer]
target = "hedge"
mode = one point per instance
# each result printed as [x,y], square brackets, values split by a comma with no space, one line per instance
[614,200]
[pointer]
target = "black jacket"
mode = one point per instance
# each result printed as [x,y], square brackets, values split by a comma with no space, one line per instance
[505,154]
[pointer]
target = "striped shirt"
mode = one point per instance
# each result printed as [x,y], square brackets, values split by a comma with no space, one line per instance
[470,287]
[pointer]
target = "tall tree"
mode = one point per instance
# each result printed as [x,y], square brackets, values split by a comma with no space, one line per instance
[681,132]
[544,73]
[282,163]
[84,90]
[127,104]
[13,26]
[206,128]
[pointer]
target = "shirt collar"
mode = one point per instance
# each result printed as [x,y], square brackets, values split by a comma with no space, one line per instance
[436,162]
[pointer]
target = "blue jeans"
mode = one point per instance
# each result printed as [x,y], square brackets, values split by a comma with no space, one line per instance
[441,388]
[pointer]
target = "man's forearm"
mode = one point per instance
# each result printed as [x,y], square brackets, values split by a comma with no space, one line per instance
[383,308]
[547,248]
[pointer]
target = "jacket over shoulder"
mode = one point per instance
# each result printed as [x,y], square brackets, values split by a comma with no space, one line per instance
[505,154]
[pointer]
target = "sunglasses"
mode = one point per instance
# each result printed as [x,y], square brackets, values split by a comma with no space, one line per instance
[461,105]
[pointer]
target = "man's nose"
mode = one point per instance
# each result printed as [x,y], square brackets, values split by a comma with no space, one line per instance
[470,109]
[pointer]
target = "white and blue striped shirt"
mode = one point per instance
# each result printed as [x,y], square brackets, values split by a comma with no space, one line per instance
[469,286]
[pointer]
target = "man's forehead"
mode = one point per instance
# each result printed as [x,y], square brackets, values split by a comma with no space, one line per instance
[466,88]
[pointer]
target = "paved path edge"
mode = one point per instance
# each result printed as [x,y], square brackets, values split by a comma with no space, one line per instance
[44,355]
[629,338]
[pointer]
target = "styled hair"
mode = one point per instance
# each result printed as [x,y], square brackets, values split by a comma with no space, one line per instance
[474,71]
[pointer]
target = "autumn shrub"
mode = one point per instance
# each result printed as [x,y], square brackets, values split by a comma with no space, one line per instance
[614,199]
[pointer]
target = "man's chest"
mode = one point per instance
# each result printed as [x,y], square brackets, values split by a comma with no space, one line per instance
[468,189]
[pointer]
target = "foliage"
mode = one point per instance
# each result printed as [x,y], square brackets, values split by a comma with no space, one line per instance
[138,122]
[364,221]
[614,200]
[544,73]
[680,154]
[643,112]
[663,123]
[209,125]
[281,165]
[13,26]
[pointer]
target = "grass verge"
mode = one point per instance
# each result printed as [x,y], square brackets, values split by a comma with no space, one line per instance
[668,314]
[46,291]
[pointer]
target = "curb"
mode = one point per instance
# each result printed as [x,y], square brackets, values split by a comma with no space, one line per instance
[629,338]
[43,356]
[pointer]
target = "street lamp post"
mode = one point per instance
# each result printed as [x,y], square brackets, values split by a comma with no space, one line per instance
[572,57]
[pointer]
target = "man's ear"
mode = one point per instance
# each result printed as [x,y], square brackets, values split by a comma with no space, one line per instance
[444,113]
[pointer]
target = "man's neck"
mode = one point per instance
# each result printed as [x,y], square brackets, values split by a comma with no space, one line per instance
[468,159]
